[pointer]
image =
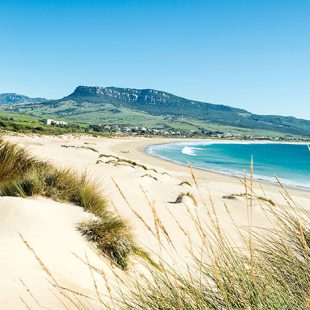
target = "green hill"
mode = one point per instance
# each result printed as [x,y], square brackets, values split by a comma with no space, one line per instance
[11,98]
[158,109]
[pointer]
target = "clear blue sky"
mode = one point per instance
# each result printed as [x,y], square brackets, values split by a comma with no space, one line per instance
[252,54]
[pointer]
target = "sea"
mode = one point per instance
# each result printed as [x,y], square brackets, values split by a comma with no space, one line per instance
[289,162]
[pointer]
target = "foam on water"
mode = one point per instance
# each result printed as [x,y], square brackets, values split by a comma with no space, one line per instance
[190,151]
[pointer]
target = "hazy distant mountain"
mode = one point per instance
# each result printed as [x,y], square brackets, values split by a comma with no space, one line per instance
[158,109]
[16,98]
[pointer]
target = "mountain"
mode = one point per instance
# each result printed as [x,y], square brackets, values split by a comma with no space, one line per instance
[16,98]
[152,101]
[160,103]
[158,109]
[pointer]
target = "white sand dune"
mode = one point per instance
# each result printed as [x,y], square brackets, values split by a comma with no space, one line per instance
[50,227]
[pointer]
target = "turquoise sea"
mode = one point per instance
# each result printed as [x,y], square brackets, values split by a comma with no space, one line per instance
[289,162]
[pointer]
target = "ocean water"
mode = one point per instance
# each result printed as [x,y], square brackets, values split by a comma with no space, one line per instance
[289,162]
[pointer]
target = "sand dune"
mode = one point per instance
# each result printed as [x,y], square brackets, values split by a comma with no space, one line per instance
[50,227]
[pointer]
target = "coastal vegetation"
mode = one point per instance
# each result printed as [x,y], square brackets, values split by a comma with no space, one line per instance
[181,196]
[149,176]
[123,161]
[271,271]
[268,270]
[24,123]
[232,196]
[22,175]
[185,183]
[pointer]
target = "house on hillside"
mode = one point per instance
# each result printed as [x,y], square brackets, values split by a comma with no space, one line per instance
[50,122]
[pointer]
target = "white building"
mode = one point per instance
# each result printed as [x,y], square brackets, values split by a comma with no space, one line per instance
[50,121]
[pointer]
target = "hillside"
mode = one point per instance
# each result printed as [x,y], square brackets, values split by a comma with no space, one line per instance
[11,98]
[157,109]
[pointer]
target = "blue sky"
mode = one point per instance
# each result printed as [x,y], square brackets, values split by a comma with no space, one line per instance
[248,54]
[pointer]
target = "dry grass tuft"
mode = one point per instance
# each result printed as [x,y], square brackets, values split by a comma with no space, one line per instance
[180,197]
[122,161]
[185,183]
[262,198]
[22,176]
[149,176]
[111,236]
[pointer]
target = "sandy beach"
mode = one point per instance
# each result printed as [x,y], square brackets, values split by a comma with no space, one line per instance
[50,227]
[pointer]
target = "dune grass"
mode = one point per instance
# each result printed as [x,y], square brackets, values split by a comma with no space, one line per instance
[149,176]
[262,198]
[270,271]
[180,197]
[273,273]
[21,175]
[80,147]
[119,161]
[184,183]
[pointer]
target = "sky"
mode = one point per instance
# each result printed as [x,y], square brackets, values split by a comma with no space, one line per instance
[251,54]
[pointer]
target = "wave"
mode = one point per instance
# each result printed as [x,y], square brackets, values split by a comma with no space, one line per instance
[188,151]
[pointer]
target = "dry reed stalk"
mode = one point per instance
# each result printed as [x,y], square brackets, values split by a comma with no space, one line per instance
[198,228]
[216,271]
[216,222]
[42,265]
[94,281]
[108,287]
[301,231]
[99,254]
[118,278]
[24,303]
[29,292]
[157,220]
[206,243]
[46,270]
[115,208]
[250,220]
[74,292]
[177,222]
[60,300]
[201,196]
[133,210]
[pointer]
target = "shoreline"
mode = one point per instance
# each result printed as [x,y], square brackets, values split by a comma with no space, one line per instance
[259,178]
[144,156]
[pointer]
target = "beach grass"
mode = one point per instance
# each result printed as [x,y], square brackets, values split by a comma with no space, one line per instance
[123,161]
[259,197]
[21,175]
[184,183]
[181,196]
[270,270]
[271,274]
[149,176]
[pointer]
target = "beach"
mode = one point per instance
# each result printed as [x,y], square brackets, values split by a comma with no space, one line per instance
[136,183]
